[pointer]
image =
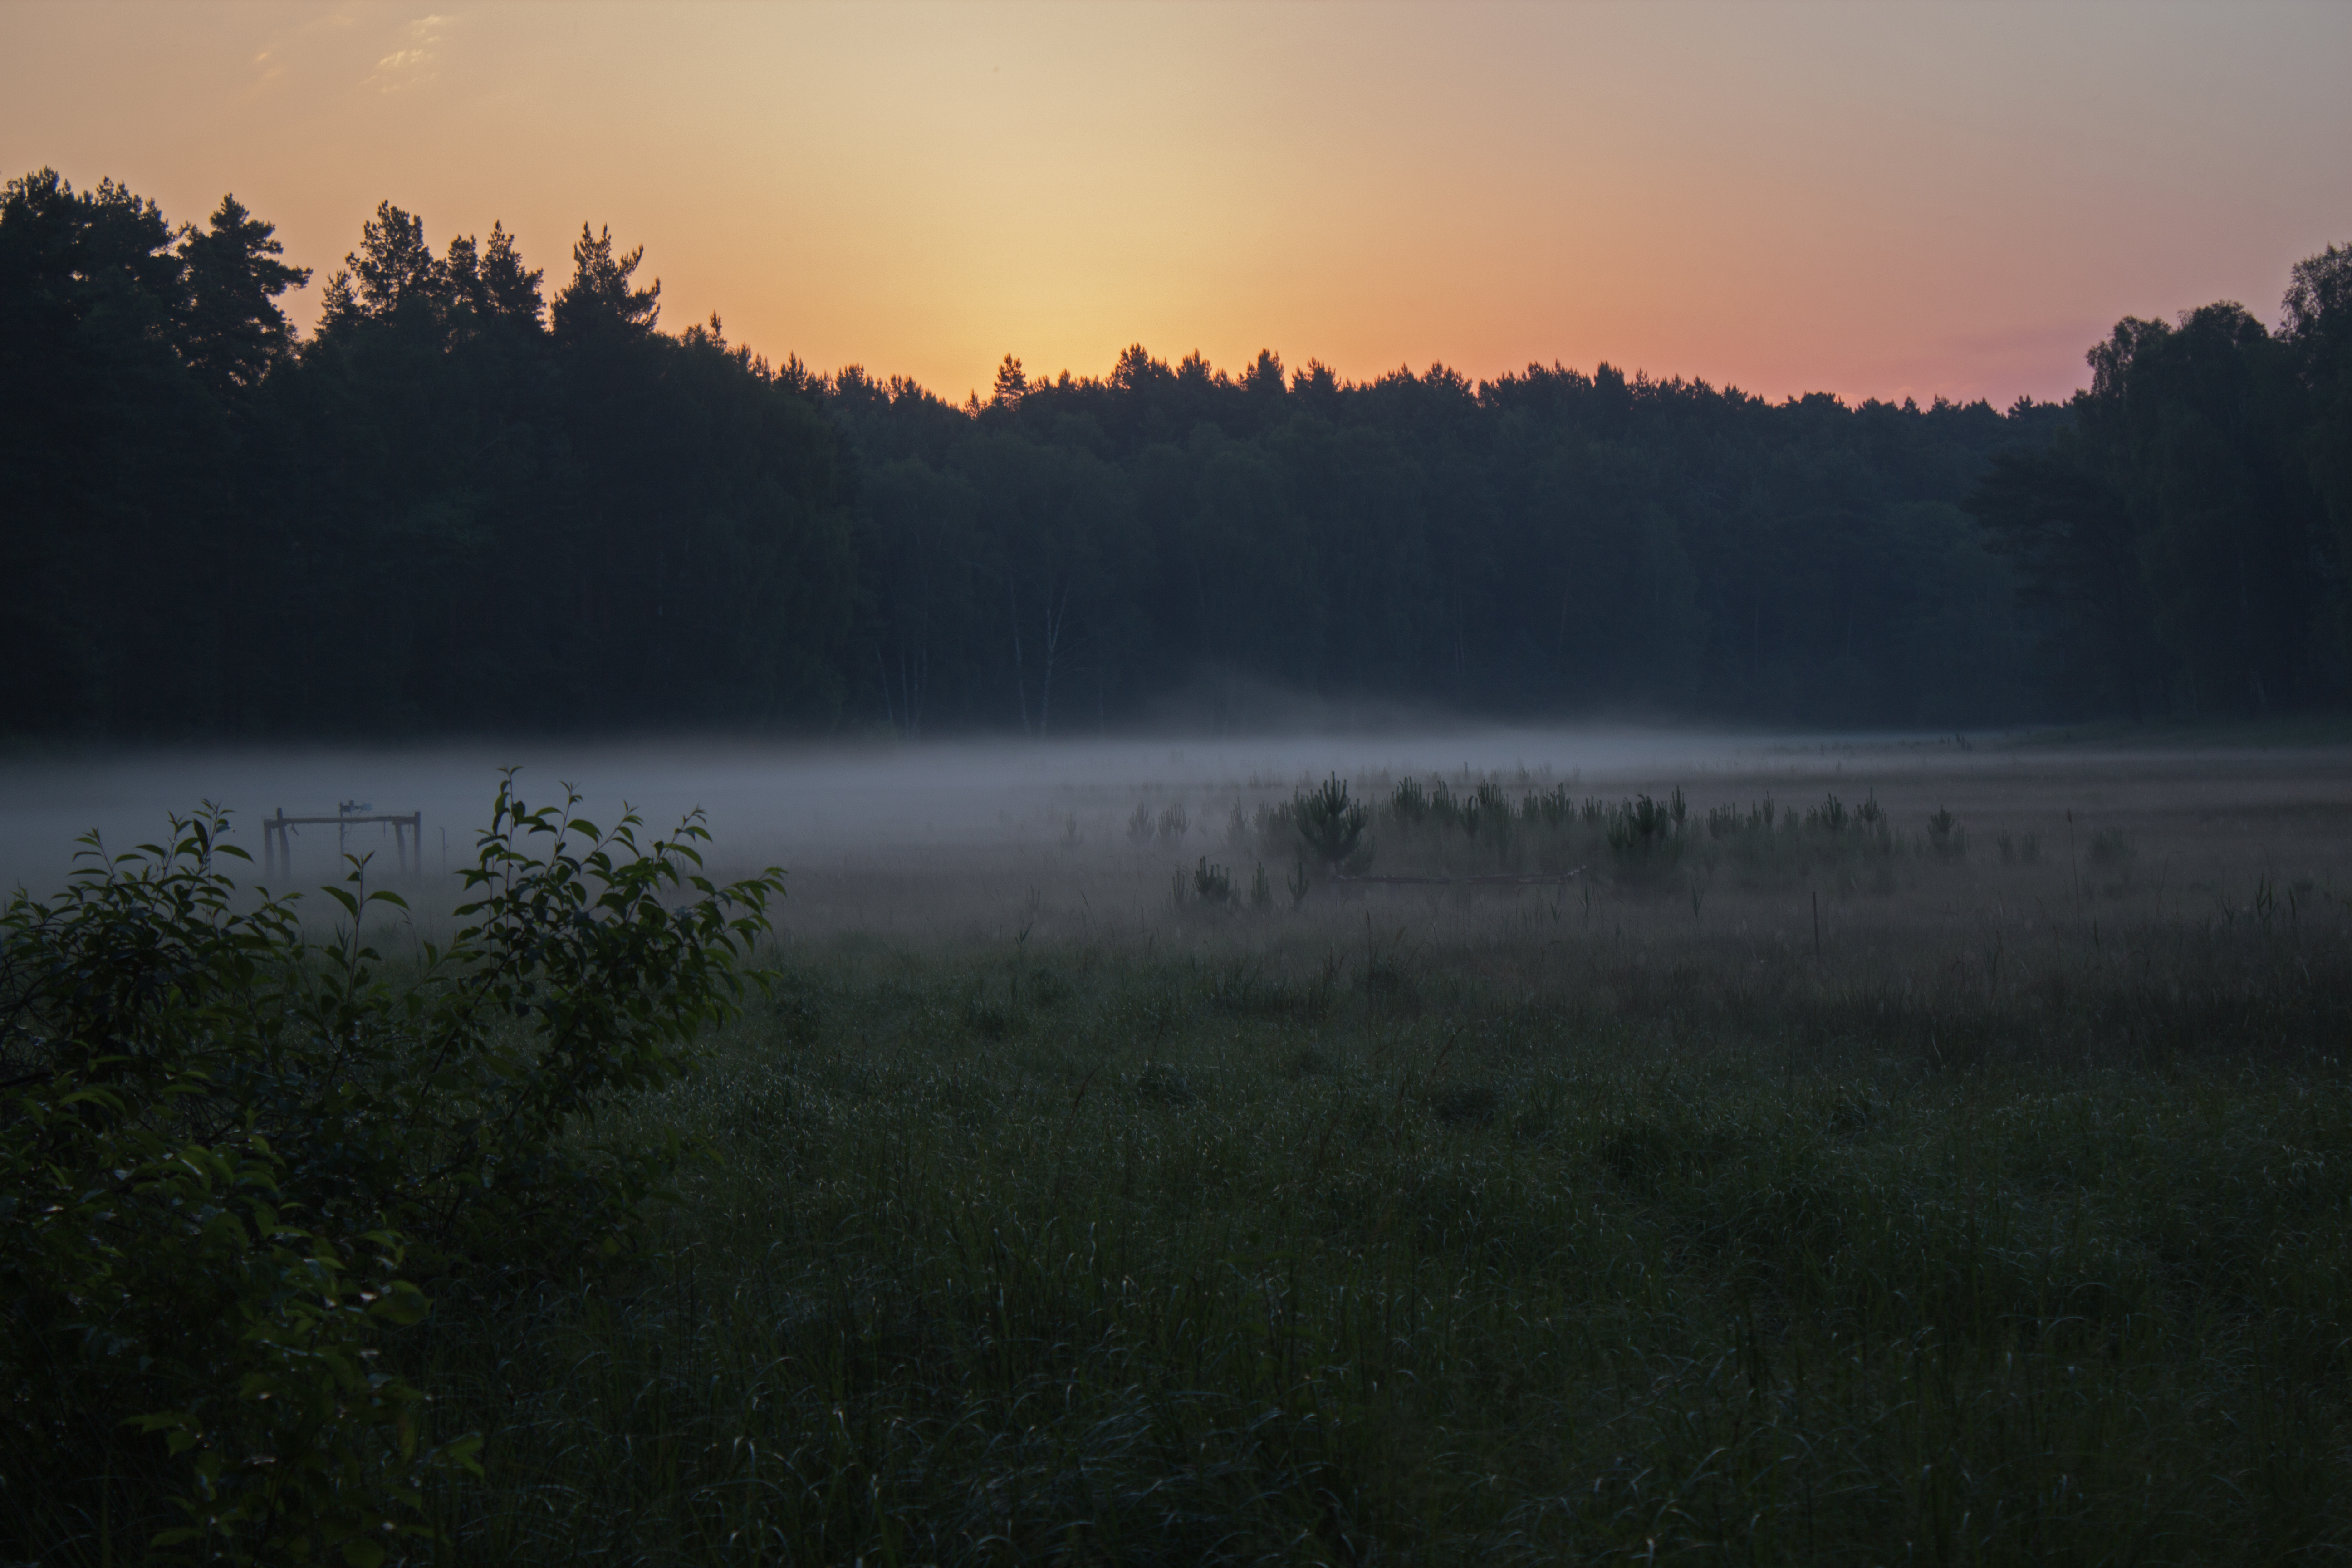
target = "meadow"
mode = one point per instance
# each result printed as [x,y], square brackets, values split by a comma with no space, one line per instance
[1946,1162]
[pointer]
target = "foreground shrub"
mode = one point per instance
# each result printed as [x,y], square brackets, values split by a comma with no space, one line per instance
[226,1152]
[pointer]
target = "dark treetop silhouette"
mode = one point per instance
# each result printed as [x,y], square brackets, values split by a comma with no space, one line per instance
[462,505]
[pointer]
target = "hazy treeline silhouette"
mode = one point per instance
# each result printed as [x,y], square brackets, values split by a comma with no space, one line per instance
[470,500]
[460,504]
[2189,527]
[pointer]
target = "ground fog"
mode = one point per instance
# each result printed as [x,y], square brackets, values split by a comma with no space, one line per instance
[962,842]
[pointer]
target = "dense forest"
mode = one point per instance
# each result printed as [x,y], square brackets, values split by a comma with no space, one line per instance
[466,502]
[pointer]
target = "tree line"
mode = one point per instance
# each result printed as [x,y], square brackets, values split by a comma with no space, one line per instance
[464,502]
[2186,532]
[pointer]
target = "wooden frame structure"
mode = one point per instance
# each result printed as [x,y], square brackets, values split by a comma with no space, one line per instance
[277,847]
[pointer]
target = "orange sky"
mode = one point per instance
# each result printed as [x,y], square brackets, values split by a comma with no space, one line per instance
[1881,200]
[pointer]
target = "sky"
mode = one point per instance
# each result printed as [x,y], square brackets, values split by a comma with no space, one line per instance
[1876,200]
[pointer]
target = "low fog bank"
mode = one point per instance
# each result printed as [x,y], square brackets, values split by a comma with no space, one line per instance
[957,839]
[790,804]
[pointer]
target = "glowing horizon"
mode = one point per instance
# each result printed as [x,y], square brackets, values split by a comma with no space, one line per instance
[1886,202]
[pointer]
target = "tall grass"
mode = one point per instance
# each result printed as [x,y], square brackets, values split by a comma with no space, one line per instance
[1302,1248]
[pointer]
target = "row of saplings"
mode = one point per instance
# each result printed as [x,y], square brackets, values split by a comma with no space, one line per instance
[1432,831]
[234,1160]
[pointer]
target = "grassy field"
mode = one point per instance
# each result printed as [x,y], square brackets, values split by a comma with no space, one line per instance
[1971,1205]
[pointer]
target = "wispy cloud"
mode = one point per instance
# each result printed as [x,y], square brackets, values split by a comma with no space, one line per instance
[413,62]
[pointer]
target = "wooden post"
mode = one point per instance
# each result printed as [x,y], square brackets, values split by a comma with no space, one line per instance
[277,837]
